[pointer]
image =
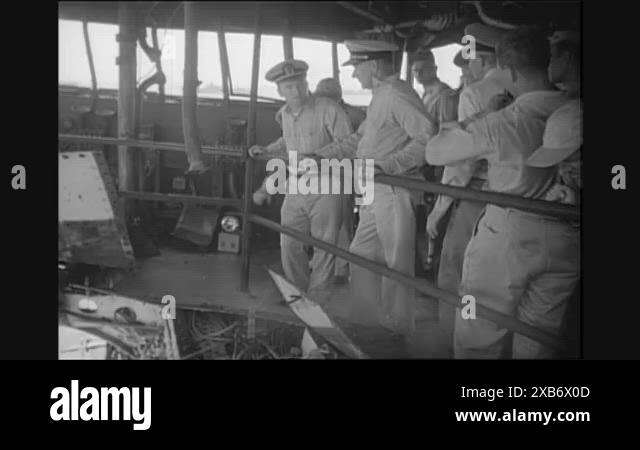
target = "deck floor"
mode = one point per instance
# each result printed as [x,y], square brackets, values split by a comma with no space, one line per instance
[212,281]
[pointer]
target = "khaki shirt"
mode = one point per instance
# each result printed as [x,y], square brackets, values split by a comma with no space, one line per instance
[319,122]
[441,102]
[473,99]
[356,115]
[394,133]
[506,138]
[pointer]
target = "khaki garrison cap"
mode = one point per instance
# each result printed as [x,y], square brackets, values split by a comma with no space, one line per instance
[368,50]
[287,69]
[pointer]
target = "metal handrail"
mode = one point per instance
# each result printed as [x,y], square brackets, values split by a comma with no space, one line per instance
[496,198]
[170,146]
[182,198]
[505,200]
[418,284]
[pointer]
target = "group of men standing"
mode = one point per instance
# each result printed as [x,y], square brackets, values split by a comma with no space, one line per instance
[482,137]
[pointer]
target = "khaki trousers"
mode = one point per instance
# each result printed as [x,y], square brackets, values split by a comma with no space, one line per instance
[346,233]
[520,264]
[386,234]
[464,216]
[319,215]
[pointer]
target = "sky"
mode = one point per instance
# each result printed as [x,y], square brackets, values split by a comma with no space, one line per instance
[73,66]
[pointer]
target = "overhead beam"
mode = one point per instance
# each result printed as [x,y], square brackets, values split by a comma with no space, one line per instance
[364,13]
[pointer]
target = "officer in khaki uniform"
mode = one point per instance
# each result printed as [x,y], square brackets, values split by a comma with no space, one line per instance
[472,174]
[517,263]
[308,123]
[393,135]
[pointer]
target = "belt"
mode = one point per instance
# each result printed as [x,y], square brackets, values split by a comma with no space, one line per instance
[527,215]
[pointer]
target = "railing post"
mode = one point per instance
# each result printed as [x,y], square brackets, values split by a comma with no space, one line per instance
[334,60]
[126,97]
[249,163]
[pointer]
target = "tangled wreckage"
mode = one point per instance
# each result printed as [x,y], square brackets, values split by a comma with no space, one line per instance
[164,262]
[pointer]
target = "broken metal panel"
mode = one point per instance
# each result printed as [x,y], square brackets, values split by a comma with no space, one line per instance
[315,318]
[89,229]
[135,327]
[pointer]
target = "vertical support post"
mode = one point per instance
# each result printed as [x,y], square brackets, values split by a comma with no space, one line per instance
[126,98]
[92,69]
[287,40]
[224,61]
[248,167]
[334,58]
[409,73]
[190,88]
[154,38]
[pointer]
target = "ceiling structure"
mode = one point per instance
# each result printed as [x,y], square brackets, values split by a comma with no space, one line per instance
[422,23]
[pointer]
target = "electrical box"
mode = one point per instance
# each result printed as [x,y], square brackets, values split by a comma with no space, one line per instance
[228,242]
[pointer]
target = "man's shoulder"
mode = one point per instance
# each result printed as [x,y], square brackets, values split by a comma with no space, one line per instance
[324,103]
[399,90]
[399,86]
[447,91]
[488,86]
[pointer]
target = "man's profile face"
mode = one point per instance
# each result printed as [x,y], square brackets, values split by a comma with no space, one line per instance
[364,72]
[476,67]
[294,90]
[424,72]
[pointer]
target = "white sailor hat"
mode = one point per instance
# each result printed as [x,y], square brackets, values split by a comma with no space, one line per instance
[562,136]
[287,69]
[486,37]
[368,50]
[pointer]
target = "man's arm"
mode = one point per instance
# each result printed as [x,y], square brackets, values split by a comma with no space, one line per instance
[457,175]
[467,105]
[454,144]
[337,122]
[278,146]
[418,127]
[343,148]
